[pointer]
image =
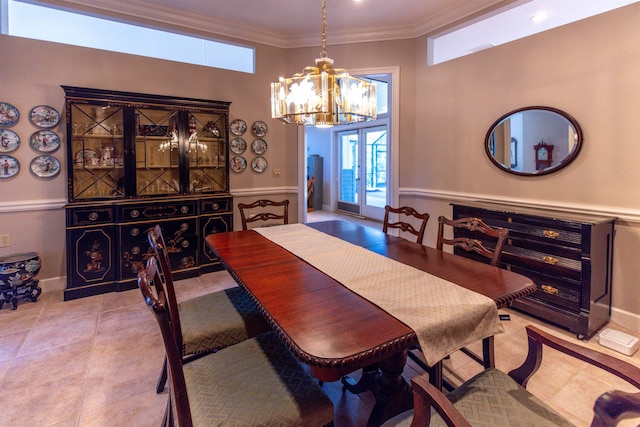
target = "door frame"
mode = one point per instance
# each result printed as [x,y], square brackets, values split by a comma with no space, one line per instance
[394,160]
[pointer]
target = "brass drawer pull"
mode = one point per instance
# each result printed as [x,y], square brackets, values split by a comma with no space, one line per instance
[550,234]
[549,289]
[550,260]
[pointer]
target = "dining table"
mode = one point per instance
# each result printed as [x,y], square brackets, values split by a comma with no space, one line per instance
[333,316]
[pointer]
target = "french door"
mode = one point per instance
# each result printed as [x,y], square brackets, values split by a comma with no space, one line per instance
[362,167]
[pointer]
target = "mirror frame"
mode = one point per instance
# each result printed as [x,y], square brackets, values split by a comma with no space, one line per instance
[568,159]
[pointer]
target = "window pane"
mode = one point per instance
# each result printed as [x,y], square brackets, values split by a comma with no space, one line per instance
[43,23]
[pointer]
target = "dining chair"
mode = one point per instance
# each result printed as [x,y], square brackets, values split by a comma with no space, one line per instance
[469,243]
[209,322]
[255,382]
[406,213]
[264,210]
[498,399]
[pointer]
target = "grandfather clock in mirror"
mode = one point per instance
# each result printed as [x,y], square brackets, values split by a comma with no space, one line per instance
[544,155]
[136,160]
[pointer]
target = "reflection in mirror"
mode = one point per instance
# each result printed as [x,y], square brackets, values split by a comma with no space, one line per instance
[533,141]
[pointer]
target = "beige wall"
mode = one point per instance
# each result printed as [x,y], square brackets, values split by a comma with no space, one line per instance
[589,69]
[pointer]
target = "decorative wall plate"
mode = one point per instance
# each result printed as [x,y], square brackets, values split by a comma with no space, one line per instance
[238,164]
[259,128]
[9,115]
[238,145]
[238,127]
[259,164]
[44,116]
[45,166]
[9,166]
[45,141]
[9,140]
[259,146]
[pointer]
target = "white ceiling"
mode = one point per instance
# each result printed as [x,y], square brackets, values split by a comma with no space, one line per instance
[297,23]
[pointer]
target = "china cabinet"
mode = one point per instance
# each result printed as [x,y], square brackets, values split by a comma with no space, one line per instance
[568,256]
[136,160]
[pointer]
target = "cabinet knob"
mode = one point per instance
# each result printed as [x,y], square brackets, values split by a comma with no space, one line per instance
[549,289]
[215,206]
[93,216]
[550,234]
[550,260]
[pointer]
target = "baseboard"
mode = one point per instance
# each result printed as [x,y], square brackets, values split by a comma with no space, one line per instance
[630,321]
[53,284]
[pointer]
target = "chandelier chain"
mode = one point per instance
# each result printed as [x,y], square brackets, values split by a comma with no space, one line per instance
[324,29]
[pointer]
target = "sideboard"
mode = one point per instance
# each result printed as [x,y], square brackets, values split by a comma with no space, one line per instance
[569,257]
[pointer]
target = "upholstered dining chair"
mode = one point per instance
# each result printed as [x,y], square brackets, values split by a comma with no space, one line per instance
[209,322]
[470,244]
[265,211]
[406,213]
[255,382]
[498,399]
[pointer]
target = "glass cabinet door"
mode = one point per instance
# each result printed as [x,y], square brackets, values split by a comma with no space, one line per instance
[207,152]
[157,151]
[97,145]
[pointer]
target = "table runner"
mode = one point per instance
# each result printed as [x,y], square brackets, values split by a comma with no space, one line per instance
[444,316]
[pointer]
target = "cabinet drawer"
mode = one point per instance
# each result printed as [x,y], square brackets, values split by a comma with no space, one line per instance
[540,229]
[90,215]
[553,289]
[157,211]
[213,206]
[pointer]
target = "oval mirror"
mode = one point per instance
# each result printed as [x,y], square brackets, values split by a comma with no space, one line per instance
[533,141]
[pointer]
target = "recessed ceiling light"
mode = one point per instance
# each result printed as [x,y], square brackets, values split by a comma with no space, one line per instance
[539,17]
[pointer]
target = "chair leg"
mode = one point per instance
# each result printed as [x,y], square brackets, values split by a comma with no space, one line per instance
[162,381]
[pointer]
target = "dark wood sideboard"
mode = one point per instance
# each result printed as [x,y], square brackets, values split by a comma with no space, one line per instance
[569,257]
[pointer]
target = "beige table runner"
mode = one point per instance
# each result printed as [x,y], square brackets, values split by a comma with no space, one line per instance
[444,316]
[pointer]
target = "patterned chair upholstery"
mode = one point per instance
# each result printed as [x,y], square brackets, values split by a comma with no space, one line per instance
[209,322]
[255,382]
[493,398]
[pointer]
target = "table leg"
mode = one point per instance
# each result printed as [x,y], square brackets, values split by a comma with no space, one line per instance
[392,393]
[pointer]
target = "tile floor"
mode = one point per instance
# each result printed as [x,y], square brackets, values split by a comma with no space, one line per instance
[94,362]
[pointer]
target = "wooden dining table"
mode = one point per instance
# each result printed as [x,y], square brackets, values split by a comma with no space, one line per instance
[334,330]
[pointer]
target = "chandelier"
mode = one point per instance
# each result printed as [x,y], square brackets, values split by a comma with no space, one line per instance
[322,95]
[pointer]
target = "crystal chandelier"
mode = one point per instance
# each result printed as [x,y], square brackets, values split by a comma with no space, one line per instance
[322,95]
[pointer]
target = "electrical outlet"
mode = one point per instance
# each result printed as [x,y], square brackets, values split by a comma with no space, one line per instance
[276,173]
[5,240]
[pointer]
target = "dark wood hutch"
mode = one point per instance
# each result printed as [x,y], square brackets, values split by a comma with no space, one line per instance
[136,160]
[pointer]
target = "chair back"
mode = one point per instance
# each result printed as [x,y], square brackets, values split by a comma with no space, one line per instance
[266,210]
[406,212]
[164,282]
[179,409]
[470,244]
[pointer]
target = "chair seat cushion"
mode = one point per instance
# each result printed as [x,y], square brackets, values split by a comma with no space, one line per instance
[217,320]
[257,382]
[493,398]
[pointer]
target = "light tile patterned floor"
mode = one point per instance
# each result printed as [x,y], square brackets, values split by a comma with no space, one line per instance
[94,362]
